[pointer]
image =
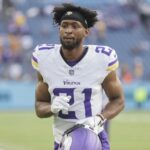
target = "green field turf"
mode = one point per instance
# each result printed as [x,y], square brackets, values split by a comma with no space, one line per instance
[24,131]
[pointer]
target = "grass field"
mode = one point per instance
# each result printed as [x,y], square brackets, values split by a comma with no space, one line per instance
[24,131]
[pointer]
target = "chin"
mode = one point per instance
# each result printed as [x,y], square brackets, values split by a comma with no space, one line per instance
[68,47]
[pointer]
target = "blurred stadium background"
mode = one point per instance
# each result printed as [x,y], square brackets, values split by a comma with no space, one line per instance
[123,25]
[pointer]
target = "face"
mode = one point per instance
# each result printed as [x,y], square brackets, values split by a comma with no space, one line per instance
[72,34]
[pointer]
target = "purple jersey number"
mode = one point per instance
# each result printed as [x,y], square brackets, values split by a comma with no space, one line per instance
[103,50]
[46,47]
[87,93]
[70,92]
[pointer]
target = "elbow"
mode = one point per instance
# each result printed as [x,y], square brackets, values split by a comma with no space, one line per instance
[122,104]
[38,111]
[43,112]
[39,114]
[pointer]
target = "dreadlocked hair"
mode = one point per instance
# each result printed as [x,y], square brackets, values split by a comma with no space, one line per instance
[89,15]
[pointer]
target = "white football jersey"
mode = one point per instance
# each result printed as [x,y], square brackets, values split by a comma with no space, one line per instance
[82,81]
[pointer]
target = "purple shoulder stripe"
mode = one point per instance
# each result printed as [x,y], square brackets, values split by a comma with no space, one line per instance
[35,59]
[46,48]
[113,62]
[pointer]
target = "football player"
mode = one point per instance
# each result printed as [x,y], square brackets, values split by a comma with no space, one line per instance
[71,79]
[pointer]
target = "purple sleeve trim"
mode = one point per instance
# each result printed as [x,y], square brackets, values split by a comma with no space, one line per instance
[113,62]
[45,48]
[35,59]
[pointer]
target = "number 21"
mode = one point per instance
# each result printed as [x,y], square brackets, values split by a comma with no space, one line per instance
[70,92]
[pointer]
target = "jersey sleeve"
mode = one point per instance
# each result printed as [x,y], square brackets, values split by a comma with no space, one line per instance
[34,59]
[40,54]
[113,62]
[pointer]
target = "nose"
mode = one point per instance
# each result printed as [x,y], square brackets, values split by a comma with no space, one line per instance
[68,30]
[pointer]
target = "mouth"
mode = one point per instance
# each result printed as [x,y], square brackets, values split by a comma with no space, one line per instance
[68,38]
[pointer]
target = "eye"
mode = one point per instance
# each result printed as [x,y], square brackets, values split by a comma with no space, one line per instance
[64,25]
[75,26]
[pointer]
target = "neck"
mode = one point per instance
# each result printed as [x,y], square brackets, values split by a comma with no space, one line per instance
[74,54]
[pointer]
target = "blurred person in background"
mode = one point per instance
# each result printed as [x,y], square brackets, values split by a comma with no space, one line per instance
[138,69]
[101,29]
[140,95]
[71,79]
[126,75]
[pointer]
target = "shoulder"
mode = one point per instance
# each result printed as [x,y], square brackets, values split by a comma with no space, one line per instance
[101,49]
[45,48]
[42,52]
[106,55]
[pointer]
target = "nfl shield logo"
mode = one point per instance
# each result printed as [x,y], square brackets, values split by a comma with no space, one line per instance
[71,72]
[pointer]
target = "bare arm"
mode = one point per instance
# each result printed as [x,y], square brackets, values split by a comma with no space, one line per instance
[113,90]
[42,103]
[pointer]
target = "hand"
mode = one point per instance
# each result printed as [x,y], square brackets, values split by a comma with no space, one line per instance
[60,103]
[95,123]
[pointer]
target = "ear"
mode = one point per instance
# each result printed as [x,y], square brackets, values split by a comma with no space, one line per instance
[86,33]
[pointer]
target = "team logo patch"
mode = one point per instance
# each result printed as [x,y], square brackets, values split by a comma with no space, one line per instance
[69,13]
[71,72]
